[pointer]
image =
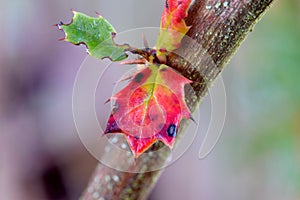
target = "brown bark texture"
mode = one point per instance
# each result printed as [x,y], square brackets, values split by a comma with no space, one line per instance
[217,29]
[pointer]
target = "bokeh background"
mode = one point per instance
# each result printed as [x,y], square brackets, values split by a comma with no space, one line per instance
[257,156]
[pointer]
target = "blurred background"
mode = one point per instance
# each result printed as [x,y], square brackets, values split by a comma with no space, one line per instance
[257,157]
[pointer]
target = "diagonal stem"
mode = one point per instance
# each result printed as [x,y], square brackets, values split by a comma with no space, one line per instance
[219,26]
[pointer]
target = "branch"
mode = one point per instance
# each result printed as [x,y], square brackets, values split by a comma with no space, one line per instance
[219,26]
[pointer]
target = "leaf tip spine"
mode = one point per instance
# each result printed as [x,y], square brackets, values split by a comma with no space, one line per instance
[98,14]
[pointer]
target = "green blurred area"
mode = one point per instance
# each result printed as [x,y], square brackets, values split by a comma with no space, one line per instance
[272,95]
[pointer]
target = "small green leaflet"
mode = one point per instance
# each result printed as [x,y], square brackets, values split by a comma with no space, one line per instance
[96,33]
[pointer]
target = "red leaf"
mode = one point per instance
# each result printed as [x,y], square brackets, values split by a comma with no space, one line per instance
[172,25]
[149,108]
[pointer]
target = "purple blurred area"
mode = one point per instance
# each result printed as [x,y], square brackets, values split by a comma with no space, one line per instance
[42,156]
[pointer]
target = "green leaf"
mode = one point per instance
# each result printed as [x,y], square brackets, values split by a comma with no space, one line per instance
[96,33]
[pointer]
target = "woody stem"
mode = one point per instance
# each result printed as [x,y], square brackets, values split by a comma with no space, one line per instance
[219,27]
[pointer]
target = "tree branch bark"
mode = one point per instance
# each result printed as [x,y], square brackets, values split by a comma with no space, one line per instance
[219,26]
